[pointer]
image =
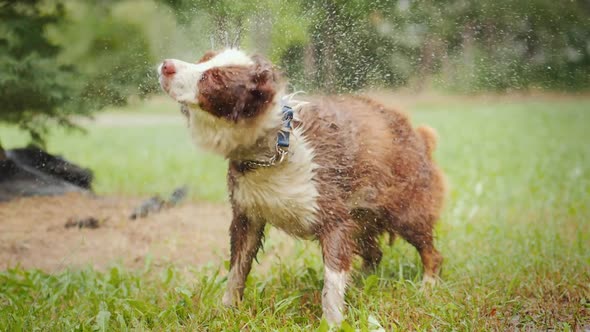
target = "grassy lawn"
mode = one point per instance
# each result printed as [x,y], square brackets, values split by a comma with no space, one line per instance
[137,158]
[515,235]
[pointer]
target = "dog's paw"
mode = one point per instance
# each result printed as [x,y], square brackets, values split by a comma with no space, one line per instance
[334,321]
[428,282]
[333,316]
[228,300]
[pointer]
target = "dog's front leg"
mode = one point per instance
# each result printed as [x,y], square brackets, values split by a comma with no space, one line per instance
[246,237]
[337,251]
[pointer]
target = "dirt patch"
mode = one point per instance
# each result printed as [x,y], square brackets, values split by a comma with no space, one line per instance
[33,234]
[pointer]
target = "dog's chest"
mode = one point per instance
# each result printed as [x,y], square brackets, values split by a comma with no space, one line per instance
[284,195]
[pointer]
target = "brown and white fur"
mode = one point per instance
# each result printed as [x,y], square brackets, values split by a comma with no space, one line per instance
[355,169]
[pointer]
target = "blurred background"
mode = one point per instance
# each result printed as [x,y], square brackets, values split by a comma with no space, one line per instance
[77,57]
[119,187]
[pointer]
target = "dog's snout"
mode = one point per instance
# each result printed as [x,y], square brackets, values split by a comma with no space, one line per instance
[168,68]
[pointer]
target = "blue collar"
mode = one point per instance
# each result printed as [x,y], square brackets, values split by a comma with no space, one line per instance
[282,146]
[285,131]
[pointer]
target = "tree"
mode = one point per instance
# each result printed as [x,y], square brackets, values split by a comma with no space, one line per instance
[504,44]
[34,90]
[108,44]
[60,58]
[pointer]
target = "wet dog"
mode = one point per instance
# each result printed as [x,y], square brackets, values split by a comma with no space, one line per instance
[341,170]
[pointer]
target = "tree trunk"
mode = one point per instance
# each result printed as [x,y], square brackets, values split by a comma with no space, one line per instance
[468,36]
[2,153]
[426,63]
[309,62]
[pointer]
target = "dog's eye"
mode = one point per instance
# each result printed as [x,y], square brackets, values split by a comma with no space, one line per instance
[256,93]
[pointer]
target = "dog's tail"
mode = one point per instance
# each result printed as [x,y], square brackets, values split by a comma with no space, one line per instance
[429,137]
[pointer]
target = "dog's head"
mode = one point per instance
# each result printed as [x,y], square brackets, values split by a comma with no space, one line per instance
[227,84]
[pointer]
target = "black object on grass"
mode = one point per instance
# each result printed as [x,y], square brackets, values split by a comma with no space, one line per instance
[89,222]
[156,203]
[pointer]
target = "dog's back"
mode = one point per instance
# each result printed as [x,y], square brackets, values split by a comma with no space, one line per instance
[372,161]
[371,156]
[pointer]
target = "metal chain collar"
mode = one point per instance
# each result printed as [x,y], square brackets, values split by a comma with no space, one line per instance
[277,158]
[281,147]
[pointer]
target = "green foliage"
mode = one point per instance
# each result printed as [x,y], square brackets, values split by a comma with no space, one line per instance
[506,45]
[66,57]
[61,58]
[33,87]
[343,46]
[157,151]
[110,48]
[346,50]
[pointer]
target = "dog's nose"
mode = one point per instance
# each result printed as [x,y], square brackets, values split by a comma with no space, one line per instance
[168,68]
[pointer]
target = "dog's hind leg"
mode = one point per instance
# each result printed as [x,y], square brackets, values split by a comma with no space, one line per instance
[370,251]
[246,239]
[418,231]
[432,261]
[370,227]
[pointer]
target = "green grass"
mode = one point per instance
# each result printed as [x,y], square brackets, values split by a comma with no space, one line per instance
[136,159]
[515,235]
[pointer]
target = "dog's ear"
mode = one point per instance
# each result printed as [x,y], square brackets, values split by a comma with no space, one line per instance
[216,93]
[207,56]
[227,92]
[263,88]
[239,109]
[263,71]
[238,92]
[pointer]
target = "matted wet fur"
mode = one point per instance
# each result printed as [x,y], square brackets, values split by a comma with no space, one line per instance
[355,169]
